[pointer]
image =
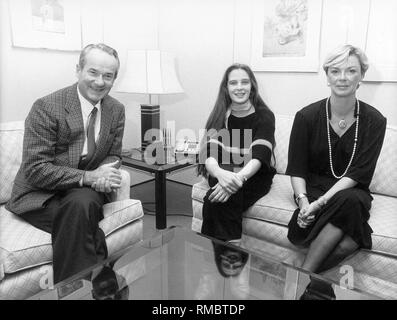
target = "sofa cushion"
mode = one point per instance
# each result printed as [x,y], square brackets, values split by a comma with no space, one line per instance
[25,283]
[373,273]
[24,246]
[11,141]
[384,180]
[383,219]
[128,235]
[277,206]
[119,213]
[199,190]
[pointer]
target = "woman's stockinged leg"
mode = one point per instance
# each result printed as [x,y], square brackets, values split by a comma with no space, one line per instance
[345,247]
[322,246]
[318,261]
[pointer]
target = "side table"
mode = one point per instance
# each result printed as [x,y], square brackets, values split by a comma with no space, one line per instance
[160,171]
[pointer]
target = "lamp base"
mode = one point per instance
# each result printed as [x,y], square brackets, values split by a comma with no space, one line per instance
[150,119]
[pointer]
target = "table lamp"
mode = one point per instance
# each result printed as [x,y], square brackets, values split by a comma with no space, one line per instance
[149,72]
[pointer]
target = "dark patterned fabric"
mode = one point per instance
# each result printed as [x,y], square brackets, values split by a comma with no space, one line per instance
[53,143]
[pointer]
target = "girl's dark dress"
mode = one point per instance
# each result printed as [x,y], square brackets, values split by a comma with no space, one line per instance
[308,158]
[224,220]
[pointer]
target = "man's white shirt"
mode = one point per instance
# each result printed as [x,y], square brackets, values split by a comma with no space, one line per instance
[86,108]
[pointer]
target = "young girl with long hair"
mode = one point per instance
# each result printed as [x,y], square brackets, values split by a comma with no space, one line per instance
[236,153]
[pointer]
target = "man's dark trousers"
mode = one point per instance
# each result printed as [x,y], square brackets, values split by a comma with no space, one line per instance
[72,218]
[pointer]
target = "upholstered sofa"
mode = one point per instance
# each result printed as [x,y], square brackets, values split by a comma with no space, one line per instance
[25,251]
[265,223]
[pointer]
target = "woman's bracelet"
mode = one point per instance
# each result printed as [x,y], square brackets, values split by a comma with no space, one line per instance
[243,177]
[300,196]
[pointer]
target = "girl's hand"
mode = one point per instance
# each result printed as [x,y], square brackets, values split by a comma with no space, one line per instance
[219,194]
[229,181]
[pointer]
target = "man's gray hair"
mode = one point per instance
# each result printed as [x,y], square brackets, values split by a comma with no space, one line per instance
[100,46]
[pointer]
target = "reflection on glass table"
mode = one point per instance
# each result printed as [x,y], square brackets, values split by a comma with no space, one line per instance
[180,264]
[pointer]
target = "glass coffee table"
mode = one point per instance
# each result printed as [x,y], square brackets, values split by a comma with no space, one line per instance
[180,264]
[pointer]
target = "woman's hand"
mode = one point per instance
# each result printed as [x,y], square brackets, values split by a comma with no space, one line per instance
[307,214]
[228,180]
[219,194]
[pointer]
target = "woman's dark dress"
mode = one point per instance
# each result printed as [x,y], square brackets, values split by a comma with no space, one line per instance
[308,158]
[224,220]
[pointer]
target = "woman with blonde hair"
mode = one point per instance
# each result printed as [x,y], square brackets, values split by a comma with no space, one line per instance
[333,150]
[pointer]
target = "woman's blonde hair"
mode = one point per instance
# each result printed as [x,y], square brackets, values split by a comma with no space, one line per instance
[342,53]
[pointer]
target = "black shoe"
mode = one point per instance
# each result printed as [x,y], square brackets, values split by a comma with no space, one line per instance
[105,286]
[318,290]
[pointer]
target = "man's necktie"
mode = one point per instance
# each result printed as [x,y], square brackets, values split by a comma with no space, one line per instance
[91,146]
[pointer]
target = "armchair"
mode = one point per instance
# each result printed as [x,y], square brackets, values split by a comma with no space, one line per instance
[25,251]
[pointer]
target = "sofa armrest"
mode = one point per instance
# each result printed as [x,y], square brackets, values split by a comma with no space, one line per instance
[124,192]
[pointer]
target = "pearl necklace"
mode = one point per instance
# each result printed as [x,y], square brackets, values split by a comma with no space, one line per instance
[329,141]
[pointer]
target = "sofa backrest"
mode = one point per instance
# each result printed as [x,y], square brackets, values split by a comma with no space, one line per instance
[385,176]
[11,141]
[384,180]
[281,135]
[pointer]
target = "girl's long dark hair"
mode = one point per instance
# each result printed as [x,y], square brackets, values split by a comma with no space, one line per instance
[217,118]
[221,250]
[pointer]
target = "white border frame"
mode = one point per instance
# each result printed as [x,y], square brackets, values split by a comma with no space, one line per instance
[23,34]
[307,63]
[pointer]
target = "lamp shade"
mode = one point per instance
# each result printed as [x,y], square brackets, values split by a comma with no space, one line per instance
[151,72]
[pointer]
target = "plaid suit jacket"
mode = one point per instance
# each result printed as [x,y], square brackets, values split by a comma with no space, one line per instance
[53,143]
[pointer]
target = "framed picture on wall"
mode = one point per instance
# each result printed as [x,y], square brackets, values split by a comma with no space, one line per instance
[286,35]
[49,24]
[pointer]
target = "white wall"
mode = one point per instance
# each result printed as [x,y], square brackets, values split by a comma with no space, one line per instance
[205,36]
[286,93]
[27,74]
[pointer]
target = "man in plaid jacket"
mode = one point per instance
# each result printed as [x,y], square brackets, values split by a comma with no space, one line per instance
[61,185]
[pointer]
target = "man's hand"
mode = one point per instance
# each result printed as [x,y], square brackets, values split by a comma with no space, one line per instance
[105,178]
[102,185]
